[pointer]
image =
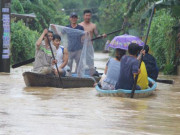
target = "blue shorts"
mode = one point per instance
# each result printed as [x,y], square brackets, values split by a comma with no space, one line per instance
[63,74]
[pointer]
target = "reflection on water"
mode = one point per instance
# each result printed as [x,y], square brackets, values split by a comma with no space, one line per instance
[55,111]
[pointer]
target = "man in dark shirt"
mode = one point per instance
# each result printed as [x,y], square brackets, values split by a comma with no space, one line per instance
[151,65]
[129,68]
[73,22]
[74,48]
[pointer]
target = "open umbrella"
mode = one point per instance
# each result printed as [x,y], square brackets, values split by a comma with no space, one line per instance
[123,41]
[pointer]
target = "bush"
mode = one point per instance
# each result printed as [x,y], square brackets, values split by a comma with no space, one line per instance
[46,11]
[163,41]
[169,69]
[22,42]
[16,7]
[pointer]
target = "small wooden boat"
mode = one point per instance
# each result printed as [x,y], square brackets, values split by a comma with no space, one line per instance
[127,93]
[38,80]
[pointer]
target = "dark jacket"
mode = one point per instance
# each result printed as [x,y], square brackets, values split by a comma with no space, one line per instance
[151,66]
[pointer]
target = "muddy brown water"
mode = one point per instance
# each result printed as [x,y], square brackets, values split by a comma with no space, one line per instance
[55,111]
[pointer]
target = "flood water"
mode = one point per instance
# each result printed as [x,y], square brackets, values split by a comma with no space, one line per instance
[55,111]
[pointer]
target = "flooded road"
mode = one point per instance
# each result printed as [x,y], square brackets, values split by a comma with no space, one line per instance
[56,111]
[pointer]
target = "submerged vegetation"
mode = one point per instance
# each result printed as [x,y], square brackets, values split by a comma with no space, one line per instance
[109,15]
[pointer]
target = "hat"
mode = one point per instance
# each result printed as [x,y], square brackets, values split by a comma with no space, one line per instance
[73,14]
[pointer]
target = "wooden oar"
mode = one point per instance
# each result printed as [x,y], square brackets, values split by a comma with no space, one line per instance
[60,80]
[23,63]
[107,34]
[136,78]
[165,81]
[122,28]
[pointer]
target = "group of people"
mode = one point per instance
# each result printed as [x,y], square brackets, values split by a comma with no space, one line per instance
[64,57]
[120,71]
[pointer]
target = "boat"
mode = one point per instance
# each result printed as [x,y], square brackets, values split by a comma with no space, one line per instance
[127,93]
[38,80]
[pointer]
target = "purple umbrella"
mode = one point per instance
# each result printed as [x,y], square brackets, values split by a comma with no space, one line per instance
[123,41]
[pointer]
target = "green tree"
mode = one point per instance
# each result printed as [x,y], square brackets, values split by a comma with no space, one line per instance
[16,7]
[111,18]
[163,46]
[79,6]
[22,42]
[162,36]
[46,11]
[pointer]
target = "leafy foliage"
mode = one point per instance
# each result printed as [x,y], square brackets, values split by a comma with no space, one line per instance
[145,6]
[79,6]
[46,11]
[110,15]
[22,42]
[162,37]
[162,40]
[23,38]
[16,7]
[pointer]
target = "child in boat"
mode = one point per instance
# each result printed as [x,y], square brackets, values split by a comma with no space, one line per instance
[112,71]
[129,68]
[151,65]
[61,56]
[43,55]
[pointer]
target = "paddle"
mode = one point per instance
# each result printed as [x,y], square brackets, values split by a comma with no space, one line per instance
[23,63]
[123,25]
[165,81]
[150,20]
[60,80]
[107,34]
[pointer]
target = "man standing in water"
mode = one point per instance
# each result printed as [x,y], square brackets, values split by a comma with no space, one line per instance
[92,30]
[75,48]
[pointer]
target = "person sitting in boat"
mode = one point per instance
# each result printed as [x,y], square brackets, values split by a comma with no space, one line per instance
[43,55]
[61,56]
[142,77]
[151,65]
[128,69]
[112,71]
